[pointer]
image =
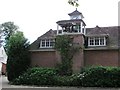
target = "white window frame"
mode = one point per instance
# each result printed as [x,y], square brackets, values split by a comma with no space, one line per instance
[49,41]
[94,39]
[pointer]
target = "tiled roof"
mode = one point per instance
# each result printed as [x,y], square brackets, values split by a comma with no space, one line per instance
[97,30]
[50,34]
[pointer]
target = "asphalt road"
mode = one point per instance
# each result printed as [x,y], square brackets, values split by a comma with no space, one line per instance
[5,86]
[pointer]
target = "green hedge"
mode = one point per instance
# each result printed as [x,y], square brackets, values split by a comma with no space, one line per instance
[89,77]
[101,77]
[46,76]
[36,76]
[73,80]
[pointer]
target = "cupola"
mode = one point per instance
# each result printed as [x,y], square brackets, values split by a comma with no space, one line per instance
[73,26]
[76,15]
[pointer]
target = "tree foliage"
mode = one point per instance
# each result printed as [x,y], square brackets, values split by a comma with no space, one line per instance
[1,35]
[73,2]
[18,55]
[7,29]
[64,44]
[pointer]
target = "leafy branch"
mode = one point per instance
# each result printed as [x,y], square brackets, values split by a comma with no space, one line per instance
[73,3]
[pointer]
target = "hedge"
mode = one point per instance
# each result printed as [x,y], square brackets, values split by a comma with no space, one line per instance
[88,77]
[101,77]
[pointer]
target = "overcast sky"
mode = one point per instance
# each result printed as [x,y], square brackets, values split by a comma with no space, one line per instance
[35,17]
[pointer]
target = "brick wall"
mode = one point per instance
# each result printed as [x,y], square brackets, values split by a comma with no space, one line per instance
[101,57]
[43,58]
[78,59]
[3,69]
[119,57]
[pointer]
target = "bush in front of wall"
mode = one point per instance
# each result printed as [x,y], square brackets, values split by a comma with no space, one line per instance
[47,77]
[89,77]
[73,80]
[93,76]
[36,76]
[101,77]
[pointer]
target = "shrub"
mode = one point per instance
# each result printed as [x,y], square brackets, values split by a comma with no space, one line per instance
[89,77]
[61,80]
[47,76]
[37,76]
[75,79]
[101,77]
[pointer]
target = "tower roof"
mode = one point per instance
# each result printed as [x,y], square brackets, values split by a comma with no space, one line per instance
[76,12]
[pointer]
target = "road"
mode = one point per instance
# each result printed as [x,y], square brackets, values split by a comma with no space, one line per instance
[5,86]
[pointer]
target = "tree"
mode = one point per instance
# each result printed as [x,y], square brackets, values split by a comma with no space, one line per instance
[64,44]
[73,2]
[18,55]
[8,28]
[1,39]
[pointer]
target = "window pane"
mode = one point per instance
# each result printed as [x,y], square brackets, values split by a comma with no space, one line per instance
[47,43]
[96,41]
[83,30]
[77,27]
[102,41]
[91,41]
[51,43]
[60,31]
[43,43]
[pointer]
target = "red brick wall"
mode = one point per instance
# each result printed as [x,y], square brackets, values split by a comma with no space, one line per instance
[78,59]
[43,58]
[101,57]
[3,68]
[119,57]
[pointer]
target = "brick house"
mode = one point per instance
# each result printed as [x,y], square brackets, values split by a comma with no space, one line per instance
[101,45]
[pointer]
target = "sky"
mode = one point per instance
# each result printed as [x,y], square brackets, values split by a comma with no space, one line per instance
[36,17]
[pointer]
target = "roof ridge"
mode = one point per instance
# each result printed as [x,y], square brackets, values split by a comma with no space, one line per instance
[102,27]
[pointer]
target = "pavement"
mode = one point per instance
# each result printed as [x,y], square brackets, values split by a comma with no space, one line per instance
[4,84]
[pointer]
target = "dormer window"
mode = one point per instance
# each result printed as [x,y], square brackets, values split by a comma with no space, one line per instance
[47,43]
[96,41]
